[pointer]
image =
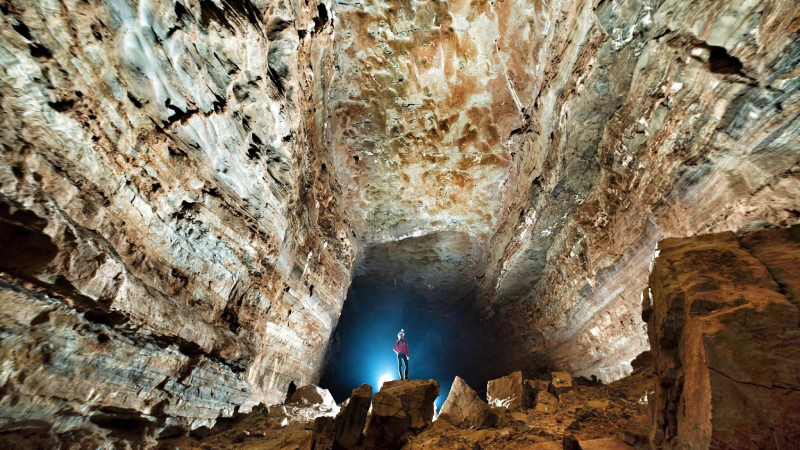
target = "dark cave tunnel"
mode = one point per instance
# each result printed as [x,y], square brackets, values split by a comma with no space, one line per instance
[393,290]
[361,348]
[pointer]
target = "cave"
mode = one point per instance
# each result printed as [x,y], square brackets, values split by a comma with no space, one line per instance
[217,215]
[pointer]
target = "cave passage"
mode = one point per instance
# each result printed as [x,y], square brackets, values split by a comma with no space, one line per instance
[414,284]
[361,349]
[206,205]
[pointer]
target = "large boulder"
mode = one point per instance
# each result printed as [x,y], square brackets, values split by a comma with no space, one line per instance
[465,408]
[724,331]
[546,402]
[635,432]
[508,392]
[399,407]
[313,395]
[322,433]
[534,386]
[351,419]
[596,444]
[561,383]
[343,431]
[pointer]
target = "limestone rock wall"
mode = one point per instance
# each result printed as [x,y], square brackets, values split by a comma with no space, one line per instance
[184,185]
[724,326]
[645,119]
[171,237]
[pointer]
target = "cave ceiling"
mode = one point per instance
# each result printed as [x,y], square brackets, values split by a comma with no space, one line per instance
[423,107]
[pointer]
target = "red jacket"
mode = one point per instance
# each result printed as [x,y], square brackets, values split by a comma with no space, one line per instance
[401,347]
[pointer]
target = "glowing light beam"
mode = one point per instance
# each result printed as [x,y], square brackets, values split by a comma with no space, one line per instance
[384,378]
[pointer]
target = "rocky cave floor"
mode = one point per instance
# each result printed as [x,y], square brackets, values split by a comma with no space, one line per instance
[591,416]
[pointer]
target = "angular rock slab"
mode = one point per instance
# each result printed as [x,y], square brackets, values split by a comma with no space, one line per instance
[313,395]
[561,383]
[350,421]
[546,402]
[400,406]
[322,435]
[465,408]
[725,338]
[602,444]
[508,392]
[534,386]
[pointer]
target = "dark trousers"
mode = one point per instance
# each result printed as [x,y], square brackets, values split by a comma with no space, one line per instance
[402,359]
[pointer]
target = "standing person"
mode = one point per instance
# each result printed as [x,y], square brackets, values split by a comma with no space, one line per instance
[401,349]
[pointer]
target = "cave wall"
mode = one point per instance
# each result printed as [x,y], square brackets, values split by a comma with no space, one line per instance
[647,119]
[565,138]
[723,317]
[185,186]
[173,249]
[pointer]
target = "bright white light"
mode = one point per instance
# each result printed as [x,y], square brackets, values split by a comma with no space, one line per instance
[384,378]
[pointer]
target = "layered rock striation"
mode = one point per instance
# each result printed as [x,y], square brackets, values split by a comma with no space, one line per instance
[173,245]
[186,187]
[724,326]
[643,120]
[514,163]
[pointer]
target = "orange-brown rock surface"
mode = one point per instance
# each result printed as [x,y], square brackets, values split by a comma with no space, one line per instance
[172,249]
[399,408]
[514,163]
[724,326]
[465,408]
[596,417]
[188,188]
[647,120]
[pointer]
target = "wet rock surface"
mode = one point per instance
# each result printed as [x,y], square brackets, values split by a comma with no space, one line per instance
[723,322]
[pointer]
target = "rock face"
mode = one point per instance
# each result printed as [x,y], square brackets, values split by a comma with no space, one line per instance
[322,433]
[509,392]
[400,406]
[561,383]
[313,395]
[352,418]
[173,244]
[343,431]
[545,401]
[643,120]
[185,186]
[464,408]
[516,162]
[723,317]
